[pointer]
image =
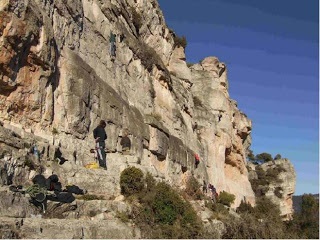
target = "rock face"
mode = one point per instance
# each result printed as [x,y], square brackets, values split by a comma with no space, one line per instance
[281,188]
[57,77]
[57,81]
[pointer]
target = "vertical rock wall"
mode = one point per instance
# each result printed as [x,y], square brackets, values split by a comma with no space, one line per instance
[57,81]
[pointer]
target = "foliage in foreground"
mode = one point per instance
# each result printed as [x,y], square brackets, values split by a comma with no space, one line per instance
[306,223]
[158,210]
[226,198]
[264,221]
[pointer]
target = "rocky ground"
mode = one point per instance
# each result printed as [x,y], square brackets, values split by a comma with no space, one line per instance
[83,218]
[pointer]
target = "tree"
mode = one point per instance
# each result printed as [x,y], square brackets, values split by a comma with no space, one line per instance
[277,157]
[266,209]
[309,207]
[306,223]
[226,198]
[264,157]
[250,155]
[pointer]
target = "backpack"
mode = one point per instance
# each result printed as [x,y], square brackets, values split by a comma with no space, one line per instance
[63,197]
[53,184]
[75,189]
[40,180]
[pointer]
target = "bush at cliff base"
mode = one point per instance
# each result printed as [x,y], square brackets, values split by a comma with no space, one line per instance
[160,212]
[131,181]
[226,198]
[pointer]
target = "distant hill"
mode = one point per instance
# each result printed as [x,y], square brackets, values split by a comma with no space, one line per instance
[297,200]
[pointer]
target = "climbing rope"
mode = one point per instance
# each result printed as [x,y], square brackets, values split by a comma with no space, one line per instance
[37,192]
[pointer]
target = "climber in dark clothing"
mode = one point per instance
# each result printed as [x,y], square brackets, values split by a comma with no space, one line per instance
[204,187]
[100,136]
[125,143]
[214,194]
[112,40]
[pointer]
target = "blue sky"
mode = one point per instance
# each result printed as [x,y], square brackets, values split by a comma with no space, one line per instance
[271,49]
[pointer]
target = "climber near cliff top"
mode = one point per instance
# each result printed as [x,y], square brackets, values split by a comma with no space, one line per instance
[100,136]
[112,40]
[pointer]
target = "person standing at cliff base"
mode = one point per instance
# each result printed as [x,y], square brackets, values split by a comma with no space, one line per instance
[100,136]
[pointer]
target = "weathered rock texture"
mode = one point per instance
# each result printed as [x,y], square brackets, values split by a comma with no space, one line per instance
[281,189]
[56,74]
[57,81]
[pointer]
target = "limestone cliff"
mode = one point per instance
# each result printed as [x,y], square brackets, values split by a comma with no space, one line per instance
[57,81]
[56,73]
[276,180]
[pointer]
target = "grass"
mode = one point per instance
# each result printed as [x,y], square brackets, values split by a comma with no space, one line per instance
[90,197]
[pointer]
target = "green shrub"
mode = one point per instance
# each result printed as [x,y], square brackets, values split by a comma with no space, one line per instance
[272,173]
[266,209]
[163,213]
[262,221]
[150,182]
[244,207]
[220,212]
[157,209]
[277,157]
[250,155]
[90,197]
[180,41]
[123,216]
[264,157]
[193,189]
[167,204]
[262,190]
[261,173]
[260,186]
[249,227]
[226,198]
[306,223]
[131,181]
